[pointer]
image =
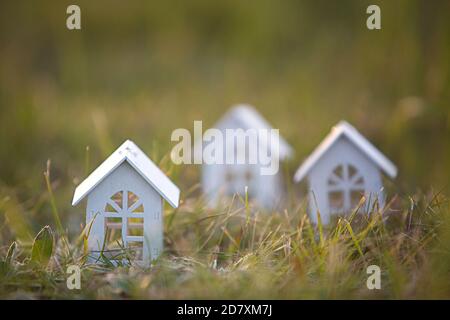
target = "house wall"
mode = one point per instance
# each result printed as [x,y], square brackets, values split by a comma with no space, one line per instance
[343,151]
[265,191]
[125,177]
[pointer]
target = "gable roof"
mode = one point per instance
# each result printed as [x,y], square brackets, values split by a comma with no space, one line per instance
[131,153]
[343,128]
[249,118]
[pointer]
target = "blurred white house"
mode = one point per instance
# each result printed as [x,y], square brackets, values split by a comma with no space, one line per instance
[222,181]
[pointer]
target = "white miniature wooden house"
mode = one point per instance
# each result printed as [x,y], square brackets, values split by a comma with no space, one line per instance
[125,204]
[222,181]
[342,169]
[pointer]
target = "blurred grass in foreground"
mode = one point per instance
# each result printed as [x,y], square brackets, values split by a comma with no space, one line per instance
[140,69]
[228,254]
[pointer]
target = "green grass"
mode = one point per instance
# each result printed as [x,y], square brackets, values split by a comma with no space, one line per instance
[239,252]
[138,70]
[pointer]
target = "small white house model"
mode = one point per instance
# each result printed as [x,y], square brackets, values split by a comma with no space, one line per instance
[222,181]
[342,169]
[124,204]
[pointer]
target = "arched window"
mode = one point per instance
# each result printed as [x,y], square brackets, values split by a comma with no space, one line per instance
[345,188]
[124,226]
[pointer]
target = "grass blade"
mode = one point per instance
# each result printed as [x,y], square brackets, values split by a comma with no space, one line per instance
[42,247]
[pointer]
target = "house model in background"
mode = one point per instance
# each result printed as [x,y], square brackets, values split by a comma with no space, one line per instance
[222,181]
[342,169]
[125,204]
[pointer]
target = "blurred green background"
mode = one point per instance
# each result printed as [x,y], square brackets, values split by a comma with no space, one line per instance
[140,69]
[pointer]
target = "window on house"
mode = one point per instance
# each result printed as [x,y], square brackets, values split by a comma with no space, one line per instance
[124,224]
[336,200]
[229,176]
[345,188]
[135,226]
[113,238]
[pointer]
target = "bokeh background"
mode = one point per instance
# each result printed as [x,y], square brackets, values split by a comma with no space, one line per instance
[140,69]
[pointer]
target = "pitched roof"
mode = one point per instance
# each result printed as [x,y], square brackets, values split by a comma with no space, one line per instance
[131,153]
[343,128]
[249,118]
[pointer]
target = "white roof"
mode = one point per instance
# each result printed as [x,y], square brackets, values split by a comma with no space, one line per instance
[343,128]
[131,153]
[248,118]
